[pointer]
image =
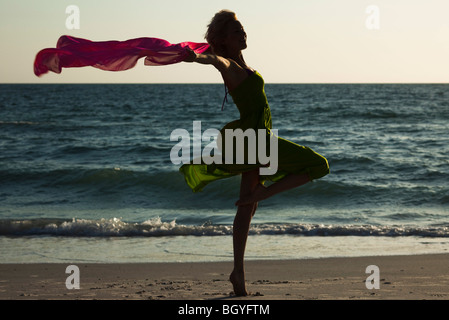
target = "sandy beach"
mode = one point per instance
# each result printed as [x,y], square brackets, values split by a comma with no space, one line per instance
[400,277]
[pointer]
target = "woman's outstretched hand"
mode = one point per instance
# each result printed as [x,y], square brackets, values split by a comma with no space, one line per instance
[191,55]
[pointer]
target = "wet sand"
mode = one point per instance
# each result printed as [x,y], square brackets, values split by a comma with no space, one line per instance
[400,277]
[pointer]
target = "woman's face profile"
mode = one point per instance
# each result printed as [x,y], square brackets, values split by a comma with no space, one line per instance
[235,39]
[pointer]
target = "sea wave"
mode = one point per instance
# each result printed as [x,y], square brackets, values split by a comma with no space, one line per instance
[116,177]
[155,227]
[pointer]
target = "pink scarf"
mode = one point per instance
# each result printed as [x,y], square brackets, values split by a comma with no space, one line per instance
[111,55]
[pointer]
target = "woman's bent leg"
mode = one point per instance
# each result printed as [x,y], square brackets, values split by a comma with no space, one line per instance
[261,193]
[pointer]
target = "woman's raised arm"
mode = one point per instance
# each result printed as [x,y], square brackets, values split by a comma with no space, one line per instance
[233,74]
[222,64]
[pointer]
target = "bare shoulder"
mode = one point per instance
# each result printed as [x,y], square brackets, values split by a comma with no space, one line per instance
[233,75]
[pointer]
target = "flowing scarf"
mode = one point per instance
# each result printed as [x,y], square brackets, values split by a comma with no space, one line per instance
[73,52]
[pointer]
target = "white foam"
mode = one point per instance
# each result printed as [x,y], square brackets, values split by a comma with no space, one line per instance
[155,227]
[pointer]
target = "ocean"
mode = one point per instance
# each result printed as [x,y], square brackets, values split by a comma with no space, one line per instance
[86,174]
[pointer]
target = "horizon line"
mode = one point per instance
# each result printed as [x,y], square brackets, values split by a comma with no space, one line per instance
[215,83]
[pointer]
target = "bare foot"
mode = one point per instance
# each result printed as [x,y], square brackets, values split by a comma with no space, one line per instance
[238,282]
[258,194]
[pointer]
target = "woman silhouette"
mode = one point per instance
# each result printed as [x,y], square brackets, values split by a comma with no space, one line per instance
[297,164]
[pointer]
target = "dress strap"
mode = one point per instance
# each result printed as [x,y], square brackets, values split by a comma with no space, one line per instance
[225,98]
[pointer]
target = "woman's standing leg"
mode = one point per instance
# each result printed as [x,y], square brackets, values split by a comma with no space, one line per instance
[242,221]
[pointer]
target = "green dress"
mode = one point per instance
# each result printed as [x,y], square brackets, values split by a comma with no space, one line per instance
[292,158]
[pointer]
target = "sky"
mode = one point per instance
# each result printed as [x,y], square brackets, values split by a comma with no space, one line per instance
[289,41]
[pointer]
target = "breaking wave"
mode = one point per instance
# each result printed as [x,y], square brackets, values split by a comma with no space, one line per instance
[155,227]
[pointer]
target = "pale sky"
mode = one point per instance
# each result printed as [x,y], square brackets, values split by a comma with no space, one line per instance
[289,41]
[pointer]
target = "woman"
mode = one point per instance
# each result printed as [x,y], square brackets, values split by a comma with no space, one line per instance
[297,165]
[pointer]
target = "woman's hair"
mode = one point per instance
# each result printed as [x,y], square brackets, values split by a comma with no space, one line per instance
[216,31]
